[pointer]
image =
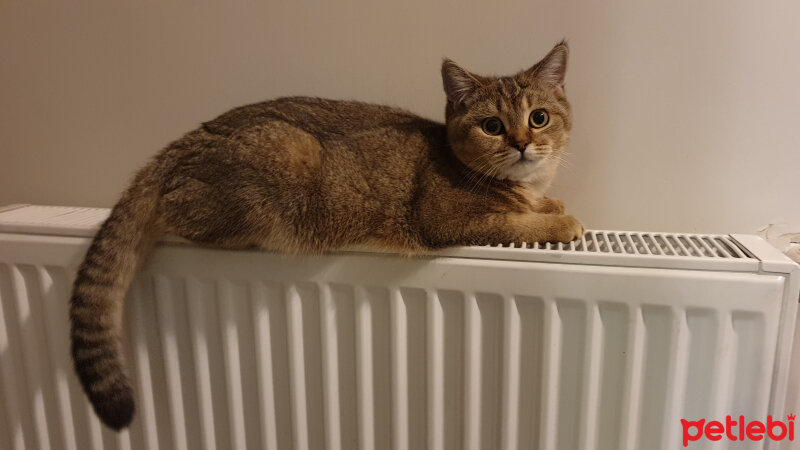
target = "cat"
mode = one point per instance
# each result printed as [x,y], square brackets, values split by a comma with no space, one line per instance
[306,175]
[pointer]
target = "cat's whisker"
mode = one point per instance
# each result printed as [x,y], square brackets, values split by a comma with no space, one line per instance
[478,171]
[484,175]
[563,162]
[488,175]
[492,174]
[486,169]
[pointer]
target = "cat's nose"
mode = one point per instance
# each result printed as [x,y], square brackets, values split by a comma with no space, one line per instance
[521,146]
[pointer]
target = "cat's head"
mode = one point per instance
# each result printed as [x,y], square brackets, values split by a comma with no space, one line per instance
[513,127]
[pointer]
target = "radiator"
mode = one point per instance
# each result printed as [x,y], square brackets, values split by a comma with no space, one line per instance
[603,343]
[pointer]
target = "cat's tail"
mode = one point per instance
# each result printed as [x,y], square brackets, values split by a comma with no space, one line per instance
[98,294]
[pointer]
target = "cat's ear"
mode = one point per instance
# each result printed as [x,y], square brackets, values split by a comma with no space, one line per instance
[458,83]
[552,69]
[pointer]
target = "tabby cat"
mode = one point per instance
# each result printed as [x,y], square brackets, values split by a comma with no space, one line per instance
[307,175]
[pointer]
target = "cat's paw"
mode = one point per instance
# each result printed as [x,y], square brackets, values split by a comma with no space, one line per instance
[567,228]
[553,228]
[547,205]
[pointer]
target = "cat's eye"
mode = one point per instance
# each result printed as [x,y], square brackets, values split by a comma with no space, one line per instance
[539,118]
[492,126]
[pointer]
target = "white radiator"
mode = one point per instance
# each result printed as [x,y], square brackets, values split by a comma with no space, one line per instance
[605,343]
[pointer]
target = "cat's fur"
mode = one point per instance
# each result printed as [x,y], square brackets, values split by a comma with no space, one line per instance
[306,175]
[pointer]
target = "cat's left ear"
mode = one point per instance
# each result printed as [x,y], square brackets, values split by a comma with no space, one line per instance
[552,69]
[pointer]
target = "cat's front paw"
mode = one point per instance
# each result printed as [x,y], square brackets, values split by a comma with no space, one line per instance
[566,229]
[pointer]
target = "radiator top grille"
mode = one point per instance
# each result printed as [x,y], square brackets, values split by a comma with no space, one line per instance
[638,243]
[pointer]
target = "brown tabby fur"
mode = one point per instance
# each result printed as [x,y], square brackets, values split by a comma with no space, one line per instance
[307,175]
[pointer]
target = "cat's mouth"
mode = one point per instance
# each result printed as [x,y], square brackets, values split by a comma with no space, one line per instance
[523,165]
[532,156]
[524,160]
[529,157]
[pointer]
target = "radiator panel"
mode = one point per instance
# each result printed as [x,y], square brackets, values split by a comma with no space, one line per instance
[254,350]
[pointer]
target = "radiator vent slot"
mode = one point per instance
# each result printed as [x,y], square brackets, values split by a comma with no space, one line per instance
[636,243]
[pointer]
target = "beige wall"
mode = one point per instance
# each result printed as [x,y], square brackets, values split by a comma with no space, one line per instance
[686,114]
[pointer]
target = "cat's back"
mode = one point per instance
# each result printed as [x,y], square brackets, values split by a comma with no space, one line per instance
[325,119]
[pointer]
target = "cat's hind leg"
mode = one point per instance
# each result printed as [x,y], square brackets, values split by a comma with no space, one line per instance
[251,189]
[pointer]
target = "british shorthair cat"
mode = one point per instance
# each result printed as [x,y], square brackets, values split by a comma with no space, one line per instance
[308,175]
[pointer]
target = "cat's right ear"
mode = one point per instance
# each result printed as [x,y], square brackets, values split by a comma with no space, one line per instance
[458,83]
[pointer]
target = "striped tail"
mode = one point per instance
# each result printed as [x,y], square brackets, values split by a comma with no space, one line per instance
[98,295]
